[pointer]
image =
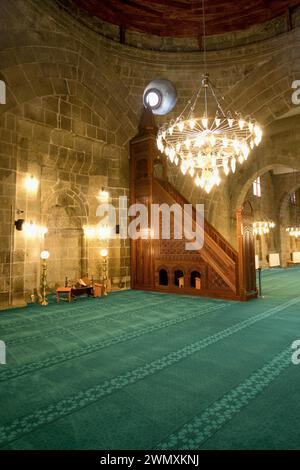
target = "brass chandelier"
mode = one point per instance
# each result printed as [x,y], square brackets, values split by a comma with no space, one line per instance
[263,227]
[294,231]
[205,142]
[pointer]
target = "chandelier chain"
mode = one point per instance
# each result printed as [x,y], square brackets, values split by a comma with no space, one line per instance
[204,37]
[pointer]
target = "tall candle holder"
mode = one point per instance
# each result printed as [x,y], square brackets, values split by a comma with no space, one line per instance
[104,254]
[44,256]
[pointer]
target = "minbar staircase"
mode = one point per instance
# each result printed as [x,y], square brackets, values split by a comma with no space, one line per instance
[217,269]
[216,251]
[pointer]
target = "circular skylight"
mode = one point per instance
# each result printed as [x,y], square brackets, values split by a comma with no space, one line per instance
[153,98]
[160,96]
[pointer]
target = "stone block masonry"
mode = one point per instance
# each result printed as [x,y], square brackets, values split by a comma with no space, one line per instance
[74,98]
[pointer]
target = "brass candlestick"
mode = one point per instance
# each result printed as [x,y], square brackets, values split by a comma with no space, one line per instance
[44,257]
[104,269]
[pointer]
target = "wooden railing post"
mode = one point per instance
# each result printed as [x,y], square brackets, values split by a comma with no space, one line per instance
[246,252]
[240,267]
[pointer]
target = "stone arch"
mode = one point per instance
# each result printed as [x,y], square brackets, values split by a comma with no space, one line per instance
[242,186]
[240,198]
[285,199]
[65,112]
[278,238]
[266,91]
[280,149]
[287,244]
[73,195]
[103,92]
[65,214]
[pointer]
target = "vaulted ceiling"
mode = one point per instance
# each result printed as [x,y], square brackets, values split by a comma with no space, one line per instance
[180,18]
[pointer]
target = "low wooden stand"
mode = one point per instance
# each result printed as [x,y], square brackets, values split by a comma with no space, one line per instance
[72,292]
[64,290]
[97,289]
[77,291]
[290,263]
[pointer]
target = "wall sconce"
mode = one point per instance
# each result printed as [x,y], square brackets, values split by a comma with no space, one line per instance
[103,232]
[19,224]
[103,196]
[42,230]
[44,256]
[89,232]
[31,184]
[31,230]
[2,92]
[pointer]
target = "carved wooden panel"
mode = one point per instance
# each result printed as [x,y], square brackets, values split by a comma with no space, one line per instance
[216,282]
[246,251]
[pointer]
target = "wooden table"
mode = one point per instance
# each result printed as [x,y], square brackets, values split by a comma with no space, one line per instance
[63,290]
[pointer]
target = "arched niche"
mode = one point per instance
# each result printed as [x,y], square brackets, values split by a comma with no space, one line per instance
[178,274]
[65,242]
[193,276]
[65,214]
[163,277]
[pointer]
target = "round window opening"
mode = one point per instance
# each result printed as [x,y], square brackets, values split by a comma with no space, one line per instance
[153,98]
[160,96]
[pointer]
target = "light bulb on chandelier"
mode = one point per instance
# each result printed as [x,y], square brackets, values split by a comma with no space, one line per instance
[263,227]
[293,231]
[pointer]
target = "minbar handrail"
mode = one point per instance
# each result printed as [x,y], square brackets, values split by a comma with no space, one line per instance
[211,231]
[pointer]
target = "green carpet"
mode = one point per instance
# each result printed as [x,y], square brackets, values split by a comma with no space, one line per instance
[142,370]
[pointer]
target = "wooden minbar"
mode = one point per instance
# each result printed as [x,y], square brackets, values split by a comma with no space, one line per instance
[217,270]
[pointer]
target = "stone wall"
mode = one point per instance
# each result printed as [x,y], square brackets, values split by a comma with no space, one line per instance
[74,99]
[274,205]
[265,209]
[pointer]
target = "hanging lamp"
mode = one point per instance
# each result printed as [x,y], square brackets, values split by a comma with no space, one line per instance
[207,141]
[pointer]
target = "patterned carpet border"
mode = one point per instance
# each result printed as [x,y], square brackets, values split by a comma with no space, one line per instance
[26,424]
[105,343]
[77,326]
[201,428]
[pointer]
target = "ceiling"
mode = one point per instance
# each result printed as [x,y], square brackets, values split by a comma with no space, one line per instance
[179,18]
